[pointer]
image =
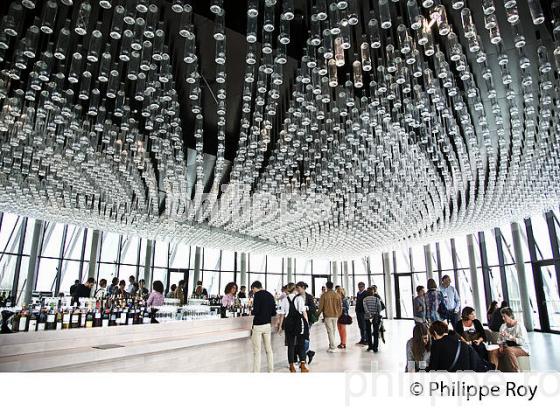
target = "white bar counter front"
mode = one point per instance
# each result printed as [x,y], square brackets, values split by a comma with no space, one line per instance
[45,350]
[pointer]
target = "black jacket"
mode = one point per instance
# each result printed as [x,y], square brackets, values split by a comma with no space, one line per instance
[360,301]
[443,353]
[496,321]
[477,325]
[264,307]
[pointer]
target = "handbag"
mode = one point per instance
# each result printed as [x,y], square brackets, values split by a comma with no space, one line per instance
[345,319]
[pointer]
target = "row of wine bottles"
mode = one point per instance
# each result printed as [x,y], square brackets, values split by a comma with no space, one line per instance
[26,320]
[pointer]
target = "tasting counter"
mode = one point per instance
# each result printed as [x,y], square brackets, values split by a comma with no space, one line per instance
[48,350]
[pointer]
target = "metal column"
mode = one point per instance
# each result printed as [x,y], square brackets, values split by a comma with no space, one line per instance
[290,271]
[334,270]
[389,305]
[33,261]
[148,262]
[94,253]
[474,277]
[197,264]
[428,261]
[345,280]
[522,277]
[242,269]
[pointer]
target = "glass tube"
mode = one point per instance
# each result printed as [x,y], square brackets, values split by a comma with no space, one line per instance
[146,56]
[457,4]
[113,83]
[488,7]
[284,36]
[495,36]
[338,52]
[95,43]
[268,24]
[366,56]
[253,8]
[468,24]
[217,6]
[220,52]
[75,66]
[374,36]
[63,41]
[490,21]
[536,10]
[85,84]
[414,15]
[133,66]
[385,14]
[219,33]
[105,65]
[49,16]
[333,75]
[251,29]
[288,10]
[518,37]
[82,20]
[139,28]
[151,20]
[357,74]
[345,35]
[106,4]
[126,41]
[512,15]
[334,18]
[117,22]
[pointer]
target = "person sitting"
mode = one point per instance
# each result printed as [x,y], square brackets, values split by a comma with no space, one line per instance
[513,341]
[156,297]
[470,330]
[418,349]
[496,322]
[449,353]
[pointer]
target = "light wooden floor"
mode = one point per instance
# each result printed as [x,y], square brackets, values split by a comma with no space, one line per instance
[236,356]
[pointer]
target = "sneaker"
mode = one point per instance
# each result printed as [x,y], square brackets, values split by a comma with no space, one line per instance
[331,350]
[310,356]
[369,349]
[341,346]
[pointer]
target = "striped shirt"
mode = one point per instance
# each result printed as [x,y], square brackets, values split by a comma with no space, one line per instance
[372,306]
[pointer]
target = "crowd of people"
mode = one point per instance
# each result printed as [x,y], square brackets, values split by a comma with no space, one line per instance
[446,337]
[134,289]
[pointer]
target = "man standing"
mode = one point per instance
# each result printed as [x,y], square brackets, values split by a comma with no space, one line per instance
[451,300]
[130,288]
[301,288]
[330,305]
[264,308]
[74,287]
[84,290]
[373,306]
[360,312]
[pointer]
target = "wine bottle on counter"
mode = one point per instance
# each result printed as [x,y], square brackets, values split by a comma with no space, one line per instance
[75,317]
[51,320]
[32,322]
[21,321]
[89,319]
[59,319]
[97,321]
[66,317]
[42,322]
[113,317]
[105,318]
[83,317]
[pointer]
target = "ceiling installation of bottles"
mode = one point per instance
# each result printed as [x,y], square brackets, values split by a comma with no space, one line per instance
[316,128]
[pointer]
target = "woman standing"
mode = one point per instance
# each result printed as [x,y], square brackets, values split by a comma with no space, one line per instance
[342,321]
[491,309]
[156,297]
[418,349]
[228,300]
[433,300]
[293,320]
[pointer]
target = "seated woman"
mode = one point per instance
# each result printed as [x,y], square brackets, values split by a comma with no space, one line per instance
[444,354]
[513,341]
[418,349]
[470,330]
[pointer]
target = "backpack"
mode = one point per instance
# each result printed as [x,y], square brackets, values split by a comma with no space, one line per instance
[293,322]
[441,309]
[312,316]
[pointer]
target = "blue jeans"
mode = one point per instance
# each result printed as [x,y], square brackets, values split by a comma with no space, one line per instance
[306,343]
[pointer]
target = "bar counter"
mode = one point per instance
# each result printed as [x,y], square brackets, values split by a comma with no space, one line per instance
[47,350]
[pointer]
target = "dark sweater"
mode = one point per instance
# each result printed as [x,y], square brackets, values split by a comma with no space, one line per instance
[477,326]
[496,321]
[264,307]
[359,301]
[443,353]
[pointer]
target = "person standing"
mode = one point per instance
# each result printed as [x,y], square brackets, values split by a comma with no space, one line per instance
[419,304]
[451,300]
[230,292]
[130,288]
[434,298]
[360,312]
[179,292]
[341,325]
[200,291]
[330,305]
[102,291]
[373,306]
[311,309]
[156,297]
[294,319]
[74,287]
[83,290]
[264,308]
[112,289]
[242,292]
[142,290]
